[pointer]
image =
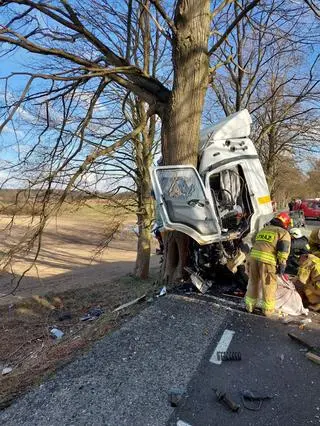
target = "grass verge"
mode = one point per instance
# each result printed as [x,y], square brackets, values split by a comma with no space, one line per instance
[27,346]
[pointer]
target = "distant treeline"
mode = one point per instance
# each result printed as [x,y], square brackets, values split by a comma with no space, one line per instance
[30,202]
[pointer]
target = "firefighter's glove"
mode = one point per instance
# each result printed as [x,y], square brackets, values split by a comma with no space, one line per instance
[281,269]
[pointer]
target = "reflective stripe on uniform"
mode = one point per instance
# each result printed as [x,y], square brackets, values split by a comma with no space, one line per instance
[250,303]
[264,257]
[250,300]
[282,256]
[303,274]
[269,306]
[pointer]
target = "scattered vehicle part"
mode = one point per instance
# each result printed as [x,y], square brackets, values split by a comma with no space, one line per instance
[175,396]
[163,291]
[202,285]
[6,370]
[132,302]
[92,314]
[227,401]
[249,396]
[221,204]
[297,321]
[55,333]
[307,345]
[229,356]
[313,357]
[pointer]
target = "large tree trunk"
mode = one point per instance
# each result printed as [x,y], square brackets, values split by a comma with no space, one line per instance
[181,120]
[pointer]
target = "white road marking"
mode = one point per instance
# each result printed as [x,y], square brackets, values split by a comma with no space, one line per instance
[222,346]
[181,423]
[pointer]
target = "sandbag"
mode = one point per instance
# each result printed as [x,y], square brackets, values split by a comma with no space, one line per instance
[288,300]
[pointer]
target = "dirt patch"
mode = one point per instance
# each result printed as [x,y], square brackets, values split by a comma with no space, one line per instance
[26,344]
[71,276]
[70,257]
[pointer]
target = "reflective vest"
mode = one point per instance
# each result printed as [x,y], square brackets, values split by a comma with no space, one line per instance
[314,241]
[309,273]
[271,245]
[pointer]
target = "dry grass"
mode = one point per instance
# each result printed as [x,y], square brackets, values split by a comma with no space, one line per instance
[26,343]
[70,276]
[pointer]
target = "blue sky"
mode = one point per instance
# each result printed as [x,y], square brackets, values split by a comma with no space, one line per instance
[20,60]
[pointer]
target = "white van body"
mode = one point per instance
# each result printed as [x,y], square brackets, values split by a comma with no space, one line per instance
[227,197]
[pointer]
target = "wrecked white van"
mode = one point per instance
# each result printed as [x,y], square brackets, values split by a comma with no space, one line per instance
[220,204]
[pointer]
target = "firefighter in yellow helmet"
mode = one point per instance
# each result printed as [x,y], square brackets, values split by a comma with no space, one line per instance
[268,257]
[314,242]
[309,278]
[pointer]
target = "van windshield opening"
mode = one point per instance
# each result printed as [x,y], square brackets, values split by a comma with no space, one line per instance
[230,191]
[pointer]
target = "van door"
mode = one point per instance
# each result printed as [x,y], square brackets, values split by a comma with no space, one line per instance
[184,204]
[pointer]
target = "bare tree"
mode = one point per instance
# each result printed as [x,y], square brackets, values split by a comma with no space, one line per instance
[271,69]
[313,182]
[290,182]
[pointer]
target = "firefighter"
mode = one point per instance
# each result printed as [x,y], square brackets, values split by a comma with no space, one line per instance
[268,257]
[309,278]
[314,241]
[299,243]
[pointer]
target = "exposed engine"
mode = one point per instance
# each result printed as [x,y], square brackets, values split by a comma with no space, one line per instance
[211,263]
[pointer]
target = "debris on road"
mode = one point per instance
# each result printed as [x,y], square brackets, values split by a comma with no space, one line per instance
[304,343]
[132,302]
[229,356]
[313,357]
[92,314]
[249,396]
[163,291]
[202,285]
[227,401]
[175,396]
[238,294]
[6,370]
[65,316]
[55,333]
[297,321]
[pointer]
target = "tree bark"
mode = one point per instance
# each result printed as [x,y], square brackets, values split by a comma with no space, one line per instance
[143,158]
[143,248]
[144,215]
[182,118]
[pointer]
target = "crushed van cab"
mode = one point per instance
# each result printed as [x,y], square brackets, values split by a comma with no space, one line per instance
[223,202]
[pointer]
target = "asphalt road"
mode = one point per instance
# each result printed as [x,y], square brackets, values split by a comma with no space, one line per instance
[271,365]
[125,378]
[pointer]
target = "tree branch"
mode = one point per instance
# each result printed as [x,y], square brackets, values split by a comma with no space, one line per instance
[241,15]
